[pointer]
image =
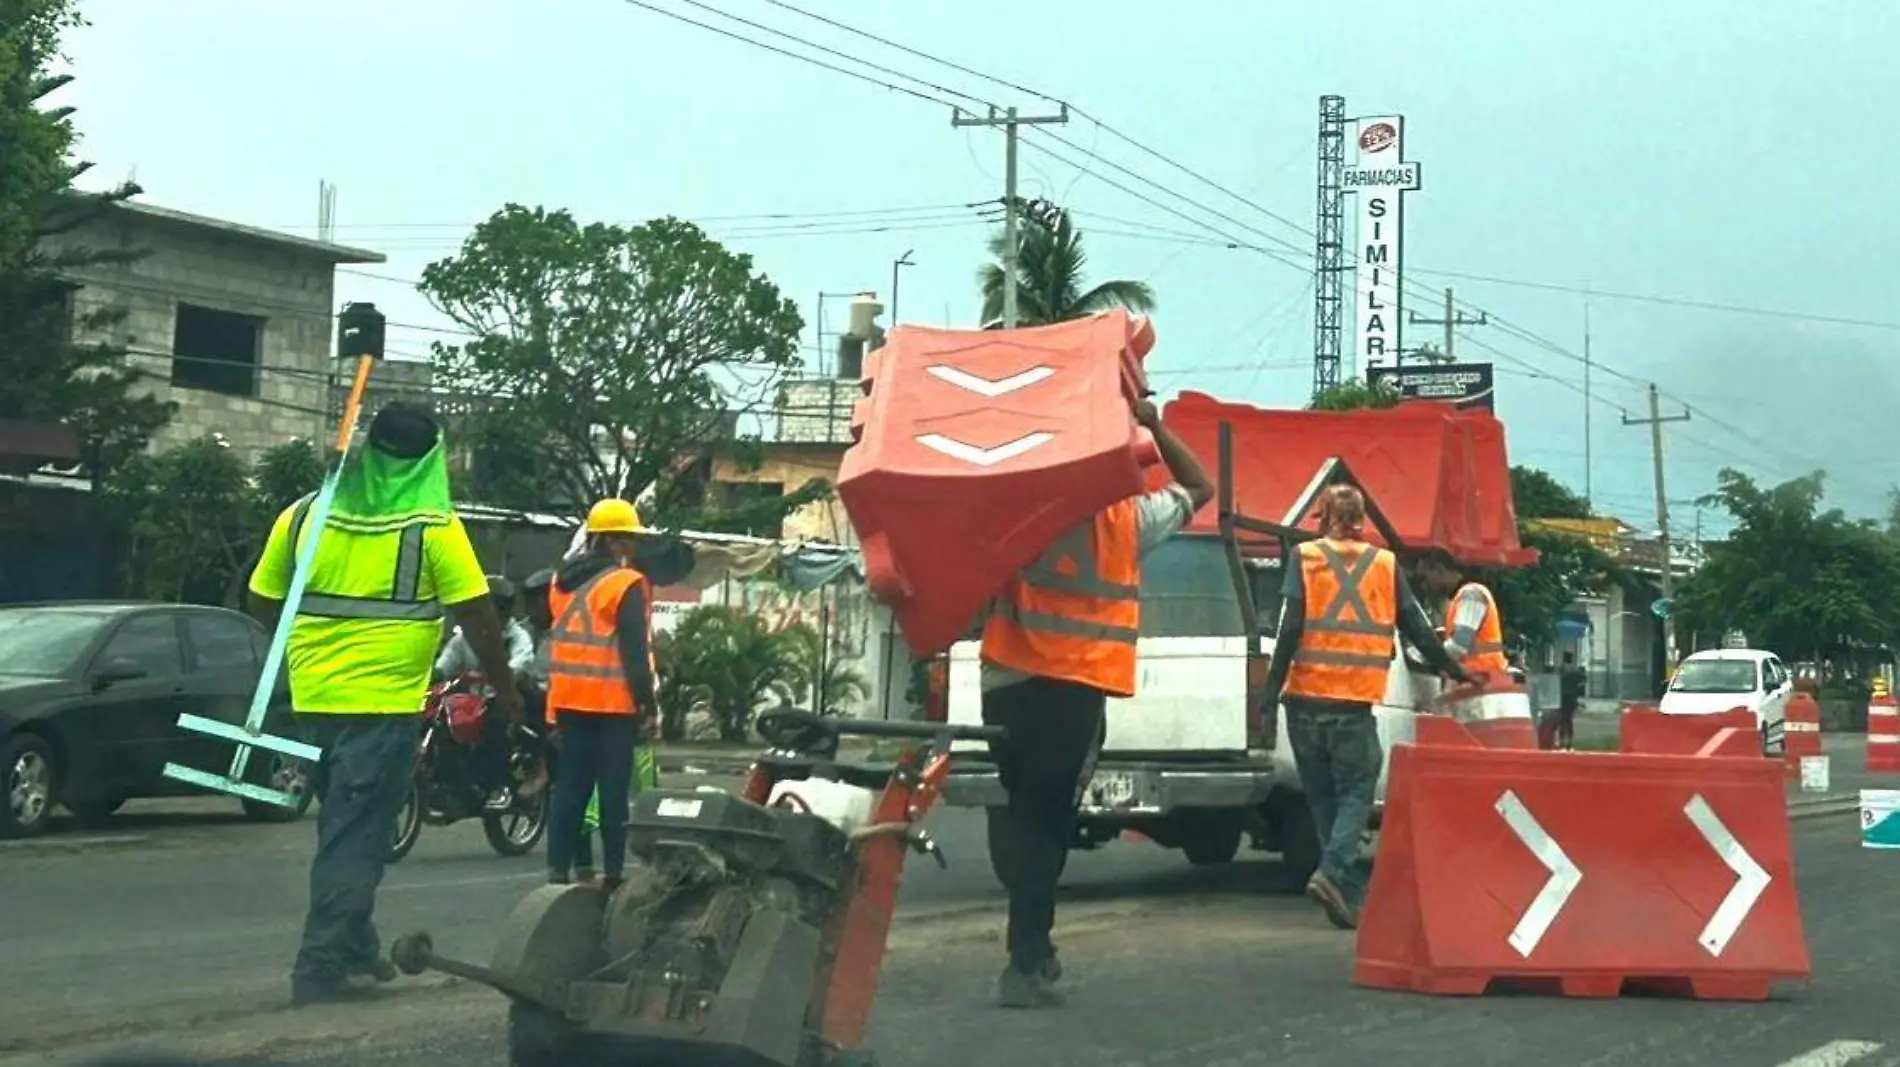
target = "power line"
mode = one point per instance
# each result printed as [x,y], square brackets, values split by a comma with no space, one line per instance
[1668,301]
[927,98]
[700,220]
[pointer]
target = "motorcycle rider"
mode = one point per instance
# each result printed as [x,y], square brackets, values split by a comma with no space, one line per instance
[491,758]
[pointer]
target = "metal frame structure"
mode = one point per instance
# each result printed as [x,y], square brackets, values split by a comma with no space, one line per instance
[1329,237]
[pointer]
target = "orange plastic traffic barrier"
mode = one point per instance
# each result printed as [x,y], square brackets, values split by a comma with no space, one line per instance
[1801,730]
[1495,710]
[1646,731]
[975,449]
[1582,874]
[1883,734]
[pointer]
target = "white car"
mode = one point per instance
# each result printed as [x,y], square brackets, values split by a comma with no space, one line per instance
[1708,683]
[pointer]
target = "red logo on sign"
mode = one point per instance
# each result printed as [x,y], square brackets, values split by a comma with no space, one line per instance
[1378,137]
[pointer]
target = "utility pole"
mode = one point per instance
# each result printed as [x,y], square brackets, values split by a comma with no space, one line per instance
[1655,424]
[897,265]
[1452,320]
[1011,122]
[1588,401]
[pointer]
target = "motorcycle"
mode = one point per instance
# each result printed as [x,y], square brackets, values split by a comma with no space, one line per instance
[446,789]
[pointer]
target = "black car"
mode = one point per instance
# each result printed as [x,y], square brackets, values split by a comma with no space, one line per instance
[90,694]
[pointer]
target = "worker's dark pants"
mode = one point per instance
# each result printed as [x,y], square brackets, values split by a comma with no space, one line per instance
[1336,747]
[596,751]
[493,758]
[1055,732]
[368,766]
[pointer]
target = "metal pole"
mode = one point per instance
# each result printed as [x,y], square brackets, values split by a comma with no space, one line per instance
[1451,320]
[1009,221]
[1655,423]
[1589,498]
[1011,122]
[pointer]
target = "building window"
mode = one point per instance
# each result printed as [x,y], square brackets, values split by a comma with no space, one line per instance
[736,498]
[216,351]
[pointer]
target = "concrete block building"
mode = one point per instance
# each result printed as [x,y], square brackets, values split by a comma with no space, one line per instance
[233,323]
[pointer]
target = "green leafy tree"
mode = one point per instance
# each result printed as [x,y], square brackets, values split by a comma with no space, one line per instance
[1806,582]
[195,517]
[730,660]
[836,683]
[1354,394]
[1049,278]
[45,376]
[1534,599]
[614,350]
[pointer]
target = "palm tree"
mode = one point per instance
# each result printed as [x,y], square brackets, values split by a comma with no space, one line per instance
[1049,262]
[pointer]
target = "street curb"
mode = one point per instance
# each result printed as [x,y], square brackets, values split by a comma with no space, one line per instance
[53,844]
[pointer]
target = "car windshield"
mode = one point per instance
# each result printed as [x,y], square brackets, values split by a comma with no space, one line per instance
[1714,676]
[45,642]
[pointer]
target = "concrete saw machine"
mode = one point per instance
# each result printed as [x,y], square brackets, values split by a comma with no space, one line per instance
[752,928]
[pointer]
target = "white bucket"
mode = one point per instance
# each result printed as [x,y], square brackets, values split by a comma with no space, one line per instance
[1814,774]
[1880,818]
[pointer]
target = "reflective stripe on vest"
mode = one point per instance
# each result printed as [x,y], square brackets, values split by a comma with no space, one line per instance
[1348,642]
[1074,614]
[1487,649]
[585,671]
[403,604]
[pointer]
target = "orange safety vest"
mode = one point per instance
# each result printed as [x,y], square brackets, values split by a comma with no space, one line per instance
[1352,611]
[1075,613]
[1487,653]
[584,669]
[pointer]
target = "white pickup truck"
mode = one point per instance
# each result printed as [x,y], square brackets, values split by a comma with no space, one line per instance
[1188,762]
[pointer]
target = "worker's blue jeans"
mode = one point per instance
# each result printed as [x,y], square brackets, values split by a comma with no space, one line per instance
[596,751]
[1337,750]
[368,765]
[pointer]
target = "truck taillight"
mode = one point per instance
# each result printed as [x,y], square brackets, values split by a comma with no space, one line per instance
[937,691]
[1258,726]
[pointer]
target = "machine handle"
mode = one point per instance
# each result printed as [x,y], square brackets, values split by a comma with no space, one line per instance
[920,730]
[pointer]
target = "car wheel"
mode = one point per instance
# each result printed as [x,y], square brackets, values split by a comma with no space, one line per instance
[29,773]
[1211,840]
[1299,839]
[284,774]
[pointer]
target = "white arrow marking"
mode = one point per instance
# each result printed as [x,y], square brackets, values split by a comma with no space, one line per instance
[1751,881]
[1564,875]
[983,457]
[1835,1054]
[985,387]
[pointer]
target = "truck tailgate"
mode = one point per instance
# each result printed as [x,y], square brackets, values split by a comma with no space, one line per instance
[1190,696]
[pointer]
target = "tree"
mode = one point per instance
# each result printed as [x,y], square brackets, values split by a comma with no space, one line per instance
[45,376]
[615,352]
[1354,394]
[821,671]
[1049,262]
[731,661]
[196,518]
[1808,583]
[1534,599]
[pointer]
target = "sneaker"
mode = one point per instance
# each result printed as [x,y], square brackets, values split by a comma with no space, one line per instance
[1018,989]
[379,970]
[1327,895]
[1052,969]
[499,800]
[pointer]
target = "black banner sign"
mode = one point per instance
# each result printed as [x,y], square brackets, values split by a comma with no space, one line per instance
[1466,385]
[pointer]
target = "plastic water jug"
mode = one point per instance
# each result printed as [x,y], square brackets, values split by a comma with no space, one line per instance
[847,807]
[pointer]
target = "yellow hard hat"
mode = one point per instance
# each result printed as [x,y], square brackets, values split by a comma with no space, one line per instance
[613,515]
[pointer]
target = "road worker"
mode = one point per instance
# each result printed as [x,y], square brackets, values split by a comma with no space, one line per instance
[600,685]
[1474,630]
[391,556]
[1059,640]
[1341,603]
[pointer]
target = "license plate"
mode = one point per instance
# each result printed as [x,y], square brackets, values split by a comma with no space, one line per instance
[1112,789]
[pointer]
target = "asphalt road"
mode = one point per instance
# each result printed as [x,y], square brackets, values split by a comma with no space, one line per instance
[1180,969]
[177,926]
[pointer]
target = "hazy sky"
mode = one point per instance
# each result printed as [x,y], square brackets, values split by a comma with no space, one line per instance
[1690,150]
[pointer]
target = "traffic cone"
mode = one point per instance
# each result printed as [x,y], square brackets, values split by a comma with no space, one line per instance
[1883,731]
[1801,730]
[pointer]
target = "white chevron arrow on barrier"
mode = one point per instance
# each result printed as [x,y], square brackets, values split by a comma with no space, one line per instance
[987,387]
[1565,876]
[1751,879]
[983,457]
